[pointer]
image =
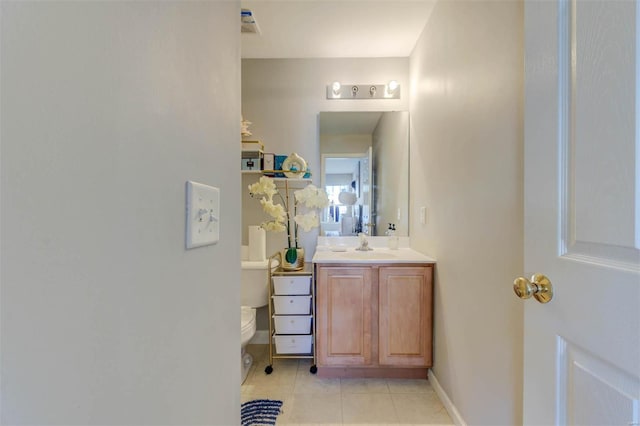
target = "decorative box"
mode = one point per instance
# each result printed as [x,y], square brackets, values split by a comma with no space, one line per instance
[251,160]
[279,159]
[269,163]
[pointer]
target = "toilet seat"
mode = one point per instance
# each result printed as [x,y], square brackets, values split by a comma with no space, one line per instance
[247,323]
[248,318]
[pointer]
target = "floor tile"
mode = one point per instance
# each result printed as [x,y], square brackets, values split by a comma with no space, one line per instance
[368,408]
[275,394]
[409,386]
[308,383]
[282,378]
[304,366]
[279,423]
[262,392]
[420,408]
[281,369]
[364,386]
[304,409]
[258,352]
[309,400]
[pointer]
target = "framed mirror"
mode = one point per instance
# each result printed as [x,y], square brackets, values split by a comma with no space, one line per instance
[365,171]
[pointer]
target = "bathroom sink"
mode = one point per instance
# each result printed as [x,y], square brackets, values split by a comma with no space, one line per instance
[372,254]
[377,255]
[343,251]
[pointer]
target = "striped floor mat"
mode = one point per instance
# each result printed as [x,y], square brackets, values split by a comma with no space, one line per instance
[260,412]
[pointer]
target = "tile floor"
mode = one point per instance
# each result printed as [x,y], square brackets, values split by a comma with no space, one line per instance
[310,400]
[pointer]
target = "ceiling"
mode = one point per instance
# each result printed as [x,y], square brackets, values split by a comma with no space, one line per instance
[335,29]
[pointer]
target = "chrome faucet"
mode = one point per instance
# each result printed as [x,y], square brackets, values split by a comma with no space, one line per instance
[364,244]
[369,229]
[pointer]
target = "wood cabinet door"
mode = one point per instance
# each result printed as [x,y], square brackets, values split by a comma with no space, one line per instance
[405,316]
[343,316]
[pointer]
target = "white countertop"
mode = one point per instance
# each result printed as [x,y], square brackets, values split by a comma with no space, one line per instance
[333,250]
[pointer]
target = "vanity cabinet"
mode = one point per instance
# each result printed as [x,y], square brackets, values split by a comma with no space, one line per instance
[344,322]
[405,316]
[374,320]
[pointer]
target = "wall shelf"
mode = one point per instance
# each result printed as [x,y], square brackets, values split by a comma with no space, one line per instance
[293,183]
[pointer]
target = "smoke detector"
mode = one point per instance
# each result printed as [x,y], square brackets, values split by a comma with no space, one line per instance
[248,22]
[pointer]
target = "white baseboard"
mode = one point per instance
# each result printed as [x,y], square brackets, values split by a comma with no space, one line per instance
[444,398]
[260,338]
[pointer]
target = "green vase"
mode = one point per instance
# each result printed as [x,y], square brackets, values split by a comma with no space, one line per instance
[292,259]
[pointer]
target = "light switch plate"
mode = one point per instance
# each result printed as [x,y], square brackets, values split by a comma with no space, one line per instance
[423,215]
[203,215]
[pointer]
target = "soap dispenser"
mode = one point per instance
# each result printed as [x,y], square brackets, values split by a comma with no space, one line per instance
[392,238]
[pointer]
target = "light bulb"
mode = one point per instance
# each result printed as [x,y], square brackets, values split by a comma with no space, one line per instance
[336,88]
[392,86]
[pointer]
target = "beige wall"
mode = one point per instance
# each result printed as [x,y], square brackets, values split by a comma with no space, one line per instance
[342,179]
[466,168]
[108,108]
[341,144]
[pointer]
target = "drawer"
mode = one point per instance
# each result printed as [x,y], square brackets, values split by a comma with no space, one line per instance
[292,305]
[292,324]
[292,285]
[293,344]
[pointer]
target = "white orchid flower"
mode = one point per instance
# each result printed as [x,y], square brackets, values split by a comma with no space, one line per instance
[264,186]
[312,197]
[273,226]
[307,221]
[276,211]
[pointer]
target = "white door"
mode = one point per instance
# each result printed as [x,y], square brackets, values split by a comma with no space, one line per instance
[582,211]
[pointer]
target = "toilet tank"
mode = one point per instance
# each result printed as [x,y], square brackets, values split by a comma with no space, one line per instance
[254,283]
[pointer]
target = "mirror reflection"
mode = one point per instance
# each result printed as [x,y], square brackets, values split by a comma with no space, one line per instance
[365,171]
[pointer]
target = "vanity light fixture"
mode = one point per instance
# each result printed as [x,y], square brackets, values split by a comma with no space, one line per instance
[336,90]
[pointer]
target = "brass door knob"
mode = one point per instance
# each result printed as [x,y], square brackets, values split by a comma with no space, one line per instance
[539,287]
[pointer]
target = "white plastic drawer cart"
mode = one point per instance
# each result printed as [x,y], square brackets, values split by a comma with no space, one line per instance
[291,313]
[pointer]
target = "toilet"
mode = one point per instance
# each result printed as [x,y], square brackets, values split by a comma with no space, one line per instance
[254,293]
[247,331]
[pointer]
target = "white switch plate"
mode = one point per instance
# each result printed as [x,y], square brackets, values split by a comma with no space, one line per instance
[203,214]
[423,215]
